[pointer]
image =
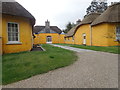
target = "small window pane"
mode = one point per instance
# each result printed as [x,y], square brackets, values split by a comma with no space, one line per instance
[12,25]
[16,29]
[16,38]
[9,39]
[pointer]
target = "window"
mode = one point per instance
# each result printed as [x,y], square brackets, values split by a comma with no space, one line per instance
[49,39]
[13,32]
[118,33]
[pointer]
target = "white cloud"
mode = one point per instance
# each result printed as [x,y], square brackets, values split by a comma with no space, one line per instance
[7,1]
[58,12]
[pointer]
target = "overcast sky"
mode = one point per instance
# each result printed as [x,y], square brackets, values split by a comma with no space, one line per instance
[58,12]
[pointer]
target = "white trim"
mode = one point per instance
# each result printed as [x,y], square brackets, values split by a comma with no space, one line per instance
[13,42]
[49,42]
[18,33]
[84,39]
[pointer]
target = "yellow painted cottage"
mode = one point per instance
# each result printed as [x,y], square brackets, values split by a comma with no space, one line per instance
[97,29]
[17,25]
[83,30]
[106,28]
[48,34]
[81,33]
[70,36]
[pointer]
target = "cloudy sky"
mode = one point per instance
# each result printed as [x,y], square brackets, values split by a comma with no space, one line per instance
[58,12]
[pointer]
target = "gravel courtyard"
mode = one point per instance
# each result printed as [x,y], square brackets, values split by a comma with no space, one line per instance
[91,70]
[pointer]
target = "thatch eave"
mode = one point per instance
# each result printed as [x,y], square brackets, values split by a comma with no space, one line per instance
[111,15]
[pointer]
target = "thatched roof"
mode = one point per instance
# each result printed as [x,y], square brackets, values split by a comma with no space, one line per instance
[111,15]
[87,20]
[43,29]
[14,8]
[71,32]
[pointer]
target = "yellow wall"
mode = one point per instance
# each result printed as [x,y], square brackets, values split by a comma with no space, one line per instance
[0,34]
[61,39]
[0,45]
[41,38]
[104,35]
[84,29]
[69,40]
[25,32]
[112,35]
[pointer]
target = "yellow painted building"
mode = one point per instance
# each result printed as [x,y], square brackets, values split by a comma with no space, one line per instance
[48,34]
[83,30]
[69,40]
[82,35]
[106,28]
[70,36]
[17,27]
[98,30]
[61,38]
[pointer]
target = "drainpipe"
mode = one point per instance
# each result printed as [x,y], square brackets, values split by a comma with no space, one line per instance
[90,35]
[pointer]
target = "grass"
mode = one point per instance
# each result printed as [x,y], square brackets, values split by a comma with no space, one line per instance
[110,49]
[19,66]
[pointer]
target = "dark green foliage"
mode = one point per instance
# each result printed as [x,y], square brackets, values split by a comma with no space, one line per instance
[97,6]
[68,27]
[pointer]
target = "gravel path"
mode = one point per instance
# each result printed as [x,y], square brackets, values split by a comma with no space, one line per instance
[91,70]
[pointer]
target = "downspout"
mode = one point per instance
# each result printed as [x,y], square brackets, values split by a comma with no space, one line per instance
[90,35]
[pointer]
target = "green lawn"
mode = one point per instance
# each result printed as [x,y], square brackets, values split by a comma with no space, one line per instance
[110,49]
[19,66]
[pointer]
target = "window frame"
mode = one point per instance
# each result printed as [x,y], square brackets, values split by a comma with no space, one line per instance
[117,39]
[13,42]
[49,39]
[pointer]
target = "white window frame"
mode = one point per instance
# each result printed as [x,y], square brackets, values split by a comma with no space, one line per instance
[13,42]
[118,34]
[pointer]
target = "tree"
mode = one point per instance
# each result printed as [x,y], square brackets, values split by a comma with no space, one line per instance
[97,6]
[68,27]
